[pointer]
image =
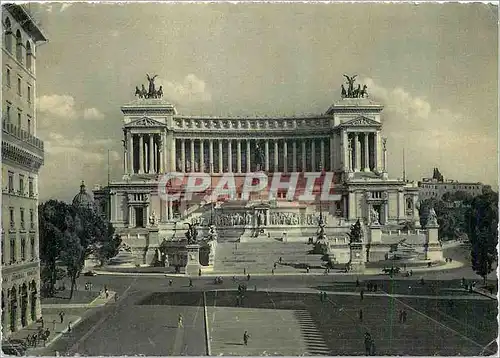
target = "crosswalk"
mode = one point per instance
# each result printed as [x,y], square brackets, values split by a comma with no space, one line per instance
[313,338]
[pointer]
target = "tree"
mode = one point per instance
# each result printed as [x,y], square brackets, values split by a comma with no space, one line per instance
[482,228]
[52,217]
[108,249]
[73,254]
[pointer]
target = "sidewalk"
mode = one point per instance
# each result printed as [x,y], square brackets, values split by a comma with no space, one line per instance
[98,302]
[369,271]
[485,293]
[56,331]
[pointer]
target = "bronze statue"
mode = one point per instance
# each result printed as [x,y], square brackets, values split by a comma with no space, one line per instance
[151,81]
[191,234]
[350,81]
[138,92]
[344,93]
[259,157]
[159,93]
[363,93]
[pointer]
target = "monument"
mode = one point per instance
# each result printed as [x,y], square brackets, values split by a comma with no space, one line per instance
[356,246]
[193,251]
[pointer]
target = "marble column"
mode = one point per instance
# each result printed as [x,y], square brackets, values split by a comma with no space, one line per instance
[276,155]
[238,154]
[304,166]
[267,154]
[230,155]
[313,154]
[173,155]
[376,151]
[332,152]
[141,154]
[285,156]
[202,156]
[294,156]
[322,154]
[211,155]
[183,155]
[161,153]
[221,157]
[192,155]
[357,153]
[130,150]
[249,168]
[345,150]
[151,168]
[367,153]
[170,210]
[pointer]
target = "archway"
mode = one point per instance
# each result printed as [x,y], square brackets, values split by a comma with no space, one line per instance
[24,305]
[13,309]
[33,300]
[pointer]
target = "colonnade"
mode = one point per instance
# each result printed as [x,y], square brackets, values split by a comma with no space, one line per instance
[363,151]
[144,153]
[246,155]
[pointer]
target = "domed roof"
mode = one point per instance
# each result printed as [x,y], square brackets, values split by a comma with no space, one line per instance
[83,199]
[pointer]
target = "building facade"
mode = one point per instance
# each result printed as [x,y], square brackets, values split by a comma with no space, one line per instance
[22,157]
[437,186]
[346,140]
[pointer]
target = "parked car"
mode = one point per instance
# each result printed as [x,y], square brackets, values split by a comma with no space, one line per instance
[90,273]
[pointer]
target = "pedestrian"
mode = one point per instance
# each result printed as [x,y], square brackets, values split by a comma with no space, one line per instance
[190,283]
[361,315]
[179,321]
[248,277]
[107,293]
[325,296]
[362,294]
[272,271]
[170,282]
[369,286]
[255,288]
[357,282]
[375,288]
[275,265]
[245,338]
[404,316]
[28,339]
[54,325]
[368,343]
[244,271]
[42,322]
[199,272]
[321,296]
[422,281]
[280,259]
[400,316]
[116,297]
[307,269]
[69,327]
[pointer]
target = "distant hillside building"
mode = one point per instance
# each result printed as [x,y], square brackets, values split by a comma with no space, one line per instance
[437,186]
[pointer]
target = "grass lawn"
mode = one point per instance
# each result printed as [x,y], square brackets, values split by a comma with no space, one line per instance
[62,297]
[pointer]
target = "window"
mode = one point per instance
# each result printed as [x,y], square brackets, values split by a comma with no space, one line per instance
[13,250]
[29,55]
[30,188]
[32,247]
[7,114]
[22,218]
[21,184]
[19,46]
[29,125]
[11,182]
[19,116]
[32,218]
[23,249]
[11,216]
[19,92]
[8,35]
[29,93]
[7,77]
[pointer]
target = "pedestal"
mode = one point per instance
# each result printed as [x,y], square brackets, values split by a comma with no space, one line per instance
[375,234]
[357,257]
[433,250]
[193,259]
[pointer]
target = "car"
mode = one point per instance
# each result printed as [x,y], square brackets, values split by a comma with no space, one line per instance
[90,273]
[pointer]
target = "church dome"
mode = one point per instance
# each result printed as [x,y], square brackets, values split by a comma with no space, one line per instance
[83,199]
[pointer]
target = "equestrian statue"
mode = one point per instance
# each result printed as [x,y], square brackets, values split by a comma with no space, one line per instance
[152,92]
[352,92]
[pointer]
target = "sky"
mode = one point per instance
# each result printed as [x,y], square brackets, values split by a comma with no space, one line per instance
[433,66]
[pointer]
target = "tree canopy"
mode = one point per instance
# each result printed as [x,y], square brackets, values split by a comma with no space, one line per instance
[68,235]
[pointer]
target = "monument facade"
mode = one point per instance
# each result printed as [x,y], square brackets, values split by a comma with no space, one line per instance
[345,141]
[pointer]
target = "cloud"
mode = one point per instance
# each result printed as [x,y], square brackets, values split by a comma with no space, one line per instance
[92,113]
[58,105]
[190,90]
[433,137]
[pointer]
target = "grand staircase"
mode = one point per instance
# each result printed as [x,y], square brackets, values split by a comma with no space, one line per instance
[259,258]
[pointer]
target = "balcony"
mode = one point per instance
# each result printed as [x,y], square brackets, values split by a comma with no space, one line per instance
[35,144]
